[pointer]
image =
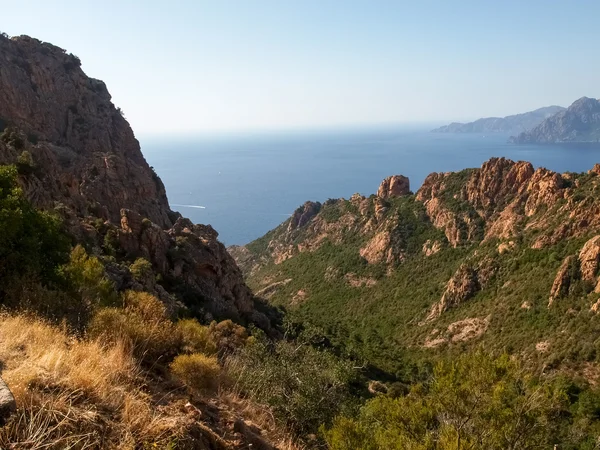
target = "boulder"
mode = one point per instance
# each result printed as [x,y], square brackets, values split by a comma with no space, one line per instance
[8,405]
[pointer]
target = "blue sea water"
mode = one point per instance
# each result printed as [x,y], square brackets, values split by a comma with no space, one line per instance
[246,184]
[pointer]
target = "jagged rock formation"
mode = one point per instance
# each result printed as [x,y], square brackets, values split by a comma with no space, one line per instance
[86,164]
[583,267]
[510,124]
[563,279]
[580,122]
[394,186]
[462,286]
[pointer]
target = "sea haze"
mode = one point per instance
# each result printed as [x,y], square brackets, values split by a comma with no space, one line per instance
[246,184]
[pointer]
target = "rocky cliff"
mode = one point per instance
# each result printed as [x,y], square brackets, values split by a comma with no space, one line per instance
[510,124]
[78,157]
[578,123]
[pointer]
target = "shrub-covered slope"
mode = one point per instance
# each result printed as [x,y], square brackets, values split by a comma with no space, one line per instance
[501,257]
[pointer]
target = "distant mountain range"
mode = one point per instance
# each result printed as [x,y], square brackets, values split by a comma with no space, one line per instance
[578,123]
[514,124]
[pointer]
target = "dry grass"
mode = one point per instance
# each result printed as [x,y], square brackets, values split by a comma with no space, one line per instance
[89,394]
[77,394]
[260,416]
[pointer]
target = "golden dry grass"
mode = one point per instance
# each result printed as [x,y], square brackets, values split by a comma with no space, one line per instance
[77,394]
[89,394]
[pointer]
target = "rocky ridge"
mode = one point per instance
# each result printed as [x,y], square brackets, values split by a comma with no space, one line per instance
[510,124]
[580,122]
[463,238]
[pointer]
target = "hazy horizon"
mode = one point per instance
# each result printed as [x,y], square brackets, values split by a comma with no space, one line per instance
[213,67]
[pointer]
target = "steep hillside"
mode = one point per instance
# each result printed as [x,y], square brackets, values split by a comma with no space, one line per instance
[80,159]
[578,123]
[503,256]
[510,124]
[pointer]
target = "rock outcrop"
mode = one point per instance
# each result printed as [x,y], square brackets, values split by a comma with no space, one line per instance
[394,186]
[589,259]
[463,285]
[563,279]
[580,122]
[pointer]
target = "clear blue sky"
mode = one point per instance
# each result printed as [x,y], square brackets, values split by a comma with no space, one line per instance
[188,66]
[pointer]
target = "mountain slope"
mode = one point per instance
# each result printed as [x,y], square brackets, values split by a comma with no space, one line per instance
[474,258]
[510,124]
[578,123]
[86,165]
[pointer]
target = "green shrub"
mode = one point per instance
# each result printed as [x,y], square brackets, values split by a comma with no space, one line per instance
[86,277]
[195,338]
[31,242]
[25,164]
[142,324]
[197,371]
[472,402]
[304,387]
[142,271]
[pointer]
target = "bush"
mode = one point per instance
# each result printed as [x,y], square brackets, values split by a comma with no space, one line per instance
[303,386]
[474,401]
[31,242]
[25,164]
[141,270]
[228,336]
[142,324]
[196,371]
[85,275]
[195,338]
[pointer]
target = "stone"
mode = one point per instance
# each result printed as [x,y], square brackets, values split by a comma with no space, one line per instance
[8,405]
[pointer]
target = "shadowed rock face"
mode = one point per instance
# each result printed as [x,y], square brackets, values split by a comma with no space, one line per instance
[87,149]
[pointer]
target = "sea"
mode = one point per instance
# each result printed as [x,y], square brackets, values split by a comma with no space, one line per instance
[245,184]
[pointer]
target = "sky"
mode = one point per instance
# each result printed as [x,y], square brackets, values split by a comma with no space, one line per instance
[195,66]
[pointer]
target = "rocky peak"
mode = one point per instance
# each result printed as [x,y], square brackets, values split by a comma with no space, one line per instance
[498,181]
[84,141]
[580,122]
[302,215]
[394,186]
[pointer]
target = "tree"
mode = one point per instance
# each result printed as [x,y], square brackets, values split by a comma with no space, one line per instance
[473,402]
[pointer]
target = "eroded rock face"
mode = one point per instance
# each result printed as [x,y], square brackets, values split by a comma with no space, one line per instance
[394,186]
[589,259]
[497,182]
[562,281]
[544,189]
[303,215]
[463,285]
[88,165]
[378,249]
[87,150]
